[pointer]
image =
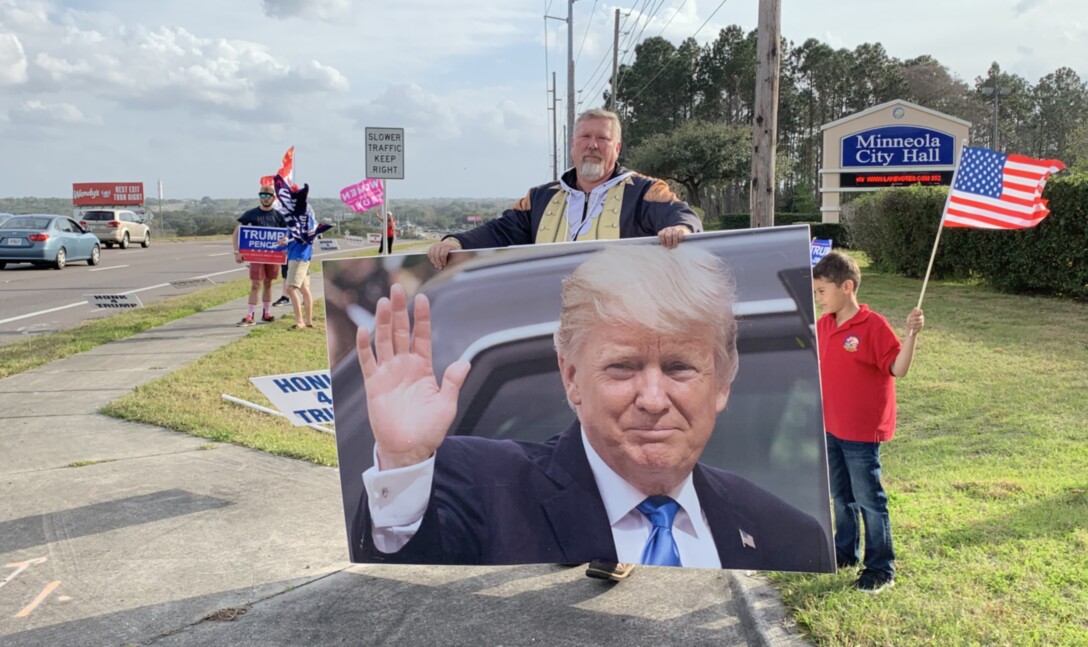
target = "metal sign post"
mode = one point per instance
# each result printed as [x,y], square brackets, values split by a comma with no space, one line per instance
[385,161]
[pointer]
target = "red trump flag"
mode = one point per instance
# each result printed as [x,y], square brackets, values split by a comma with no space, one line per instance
[287,171]
[993,190]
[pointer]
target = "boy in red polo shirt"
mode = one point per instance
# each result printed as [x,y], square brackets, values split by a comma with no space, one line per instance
[860,357]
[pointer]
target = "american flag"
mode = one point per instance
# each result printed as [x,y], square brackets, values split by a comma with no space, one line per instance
[746,540]
[993,190]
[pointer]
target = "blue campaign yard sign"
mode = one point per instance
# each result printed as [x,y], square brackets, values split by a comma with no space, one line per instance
[261,244]
[893,146]
[820,248]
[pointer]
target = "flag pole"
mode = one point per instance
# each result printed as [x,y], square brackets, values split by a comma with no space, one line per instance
[940,227]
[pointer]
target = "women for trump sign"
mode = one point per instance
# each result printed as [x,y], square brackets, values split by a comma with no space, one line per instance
[363,196]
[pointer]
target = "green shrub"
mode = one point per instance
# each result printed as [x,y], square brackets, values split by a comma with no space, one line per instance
[896,228]
[832,230]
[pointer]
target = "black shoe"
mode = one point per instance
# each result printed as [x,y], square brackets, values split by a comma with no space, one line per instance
[282,301]
[874,582]
[844,565]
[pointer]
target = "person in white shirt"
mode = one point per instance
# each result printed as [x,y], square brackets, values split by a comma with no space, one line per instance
[646,349]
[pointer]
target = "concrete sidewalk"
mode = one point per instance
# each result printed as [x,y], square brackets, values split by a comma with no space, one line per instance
[116,533]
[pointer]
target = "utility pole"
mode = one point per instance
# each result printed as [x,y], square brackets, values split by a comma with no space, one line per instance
[570,72]
[765,120]
[555,132]
[615,60]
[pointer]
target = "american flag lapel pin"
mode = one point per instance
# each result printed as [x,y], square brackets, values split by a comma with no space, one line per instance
[746,540]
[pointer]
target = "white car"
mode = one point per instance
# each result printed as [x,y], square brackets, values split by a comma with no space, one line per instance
[117,227]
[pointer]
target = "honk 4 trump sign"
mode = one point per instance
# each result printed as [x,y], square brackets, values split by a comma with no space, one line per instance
[305,398]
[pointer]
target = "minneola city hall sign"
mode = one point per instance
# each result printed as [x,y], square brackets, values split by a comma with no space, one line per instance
[894,144]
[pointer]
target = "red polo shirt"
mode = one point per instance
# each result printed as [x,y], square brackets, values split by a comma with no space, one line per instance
[855,374]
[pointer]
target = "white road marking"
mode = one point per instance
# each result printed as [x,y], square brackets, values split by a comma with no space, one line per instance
[223,254]
[20,567]
[112,267]
[83,303]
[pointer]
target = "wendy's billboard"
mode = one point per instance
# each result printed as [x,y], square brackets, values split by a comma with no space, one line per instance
[88,194]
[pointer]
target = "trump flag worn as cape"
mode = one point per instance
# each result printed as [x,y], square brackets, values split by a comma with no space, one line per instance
[293,205]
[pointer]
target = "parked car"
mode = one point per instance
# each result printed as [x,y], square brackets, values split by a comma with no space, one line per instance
[46,239]
[117,227]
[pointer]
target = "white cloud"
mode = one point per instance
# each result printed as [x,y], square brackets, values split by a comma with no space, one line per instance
[230,84]
[37,113]
[170,68]
[321,9]
[406,105]
[12,60]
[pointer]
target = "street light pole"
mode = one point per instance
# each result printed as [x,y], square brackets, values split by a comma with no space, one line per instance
[996,91]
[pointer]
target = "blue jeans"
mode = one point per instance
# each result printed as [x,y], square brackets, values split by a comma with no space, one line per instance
[855,488]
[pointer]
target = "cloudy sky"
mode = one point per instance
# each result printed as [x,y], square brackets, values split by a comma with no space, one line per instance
[206,95]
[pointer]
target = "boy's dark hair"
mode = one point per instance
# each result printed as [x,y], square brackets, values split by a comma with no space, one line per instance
[837,268]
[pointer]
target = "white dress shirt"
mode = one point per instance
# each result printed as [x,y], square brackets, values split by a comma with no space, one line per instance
[631,528]
[398,498]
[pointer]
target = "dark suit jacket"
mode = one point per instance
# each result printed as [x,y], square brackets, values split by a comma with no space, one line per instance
[508,502]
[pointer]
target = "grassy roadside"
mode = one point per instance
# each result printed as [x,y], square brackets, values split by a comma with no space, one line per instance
[190,399]
[38,350]
[986,474]
[986,479]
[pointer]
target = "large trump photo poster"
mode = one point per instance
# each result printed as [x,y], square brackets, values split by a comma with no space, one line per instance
[583,401]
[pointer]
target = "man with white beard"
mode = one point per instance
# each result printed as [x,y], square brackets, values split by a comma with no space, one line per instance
[596,199]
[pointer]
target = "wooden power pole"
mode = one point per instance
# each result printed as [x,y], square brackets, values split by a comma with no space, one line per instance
[765,121]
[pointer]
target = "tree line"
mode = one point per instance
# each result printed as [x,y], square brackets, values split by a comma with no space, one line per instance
[213,217]
[687,111]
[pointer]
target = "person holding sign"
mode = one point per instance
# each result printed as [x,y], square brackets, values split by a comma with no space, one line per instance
[596,200]
[261,275]
[646,348]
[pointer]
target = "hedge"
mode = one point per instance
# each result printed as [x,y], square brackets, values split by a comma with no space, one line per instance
[896,229]
[833,230]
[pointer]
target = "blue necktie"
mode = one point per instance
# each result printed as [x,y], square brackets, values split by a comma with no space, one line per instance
[660,547]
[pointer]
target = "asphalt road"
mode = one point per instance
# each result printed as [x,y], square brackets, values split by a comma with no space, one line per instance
[37,300]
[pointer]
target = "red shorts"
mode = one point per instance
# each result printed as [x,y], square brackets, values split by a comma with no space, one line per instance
[263,272]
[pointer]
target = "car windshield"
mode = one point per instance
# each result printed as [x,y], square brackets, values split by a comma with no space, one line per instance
[26,223]
[97,215]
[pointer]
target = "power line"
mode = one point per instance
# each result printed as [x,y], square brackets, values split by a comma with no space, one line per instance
[649,17]
[666,65]
[630,33]
[629,45]
[589,24]
[674,15]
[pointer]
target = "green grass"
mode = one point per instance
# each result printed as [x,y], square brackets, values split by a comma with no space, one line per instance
[986,478]
[190,399]
[38,350]
[987,474]
[97,461]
